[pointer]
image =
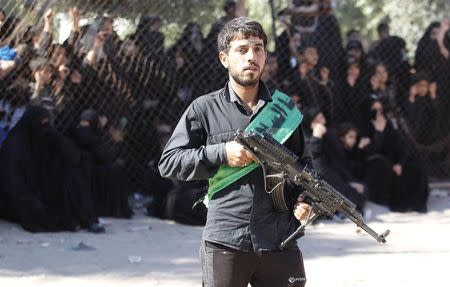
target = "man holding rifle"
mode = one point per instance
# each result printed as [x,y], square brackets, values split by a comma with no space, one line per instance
[245,226]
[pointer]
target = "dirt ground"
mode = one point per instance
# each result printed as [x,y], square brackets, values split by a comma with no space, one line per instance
[146,251]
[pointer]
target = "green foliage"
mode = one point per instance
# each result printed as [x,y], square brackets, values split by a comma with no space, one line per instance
[408,18]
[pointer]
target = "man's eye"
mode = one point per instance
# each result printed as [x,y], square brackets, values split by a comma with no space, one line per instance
[242,51]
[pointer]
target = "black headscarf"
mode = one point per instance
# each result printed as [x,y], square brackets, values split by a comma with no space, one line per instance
[427,53]
[88,137]
[92,117]
[27,172]
[365,125]
[150,43]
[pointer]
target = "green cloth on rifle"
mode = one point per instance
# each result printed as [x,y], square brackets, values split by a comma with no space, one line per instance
[280,117]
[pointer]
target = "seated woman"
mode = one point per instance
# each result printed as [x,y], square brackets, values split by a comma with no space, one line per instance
[329,157]
[109,184]
[394,178]
[423,111]
[348,135]
[38,168]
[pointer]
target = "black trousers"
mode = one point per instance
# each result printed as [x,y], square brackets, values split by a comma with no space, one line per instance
[227,267]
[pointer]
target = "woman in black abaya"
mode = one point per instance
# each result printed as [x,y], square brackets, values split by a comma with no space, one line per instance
[330,159]
[109,185]
[427,53]
[37,165]
[394,177]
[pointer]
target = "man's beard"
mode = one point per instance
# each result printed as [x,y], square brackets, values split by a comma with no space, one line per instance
[249,82]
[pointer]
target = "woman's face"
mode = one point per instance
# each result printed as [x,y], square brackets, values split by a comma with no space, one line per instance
[319,119]
[434,33]
[295,42]
[129,48]
[355,53]
[46,75]
[378,107]
[75,76]
[196,34]
[423,88]
[354,71]
[63,72]
[108,27]
[311,56]
[2,17]
[382,73]
[349,139]
[59,57]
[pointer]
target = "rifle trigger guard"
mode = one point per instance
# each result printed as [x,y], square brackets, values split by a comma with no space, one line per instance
[277,175]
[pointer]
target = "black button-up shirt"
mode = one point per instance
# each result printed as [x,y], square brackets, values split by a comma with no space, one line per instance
[240,216]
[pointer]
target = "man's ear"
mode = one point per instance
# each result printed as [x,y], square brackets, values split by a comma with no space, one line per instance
[223,59]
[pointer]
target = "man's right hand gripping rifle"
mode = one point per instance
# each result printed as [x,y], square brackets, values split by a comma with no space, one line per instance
[323,198]
[239,156]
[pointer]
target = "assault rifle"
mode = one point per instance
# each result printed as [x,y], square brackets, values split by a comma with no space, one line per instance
[323,198]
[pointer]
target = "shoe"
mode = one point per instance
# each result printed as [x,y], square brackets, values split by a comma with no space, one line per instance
[96,228]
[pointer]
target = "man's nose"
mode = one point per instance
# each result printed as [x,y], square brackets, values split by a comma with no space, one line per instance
[251,55]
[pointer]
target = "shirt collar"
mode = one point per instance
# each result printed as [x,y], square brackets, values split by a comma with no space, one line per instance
[263,93]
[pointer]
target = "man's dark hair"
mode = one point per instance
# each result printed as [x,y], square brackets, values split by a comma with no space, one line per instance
[237,27]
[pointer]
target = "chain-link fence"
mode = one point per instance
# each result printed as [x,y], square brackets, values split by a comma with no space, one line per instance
[140,63]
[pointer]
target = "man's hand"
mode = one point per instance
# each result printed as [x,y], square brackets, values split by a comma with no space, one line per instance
[237,155]
[301,210]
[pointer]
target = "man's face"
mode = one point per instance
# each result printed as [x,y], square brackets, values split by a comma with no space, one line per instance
[245,60]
